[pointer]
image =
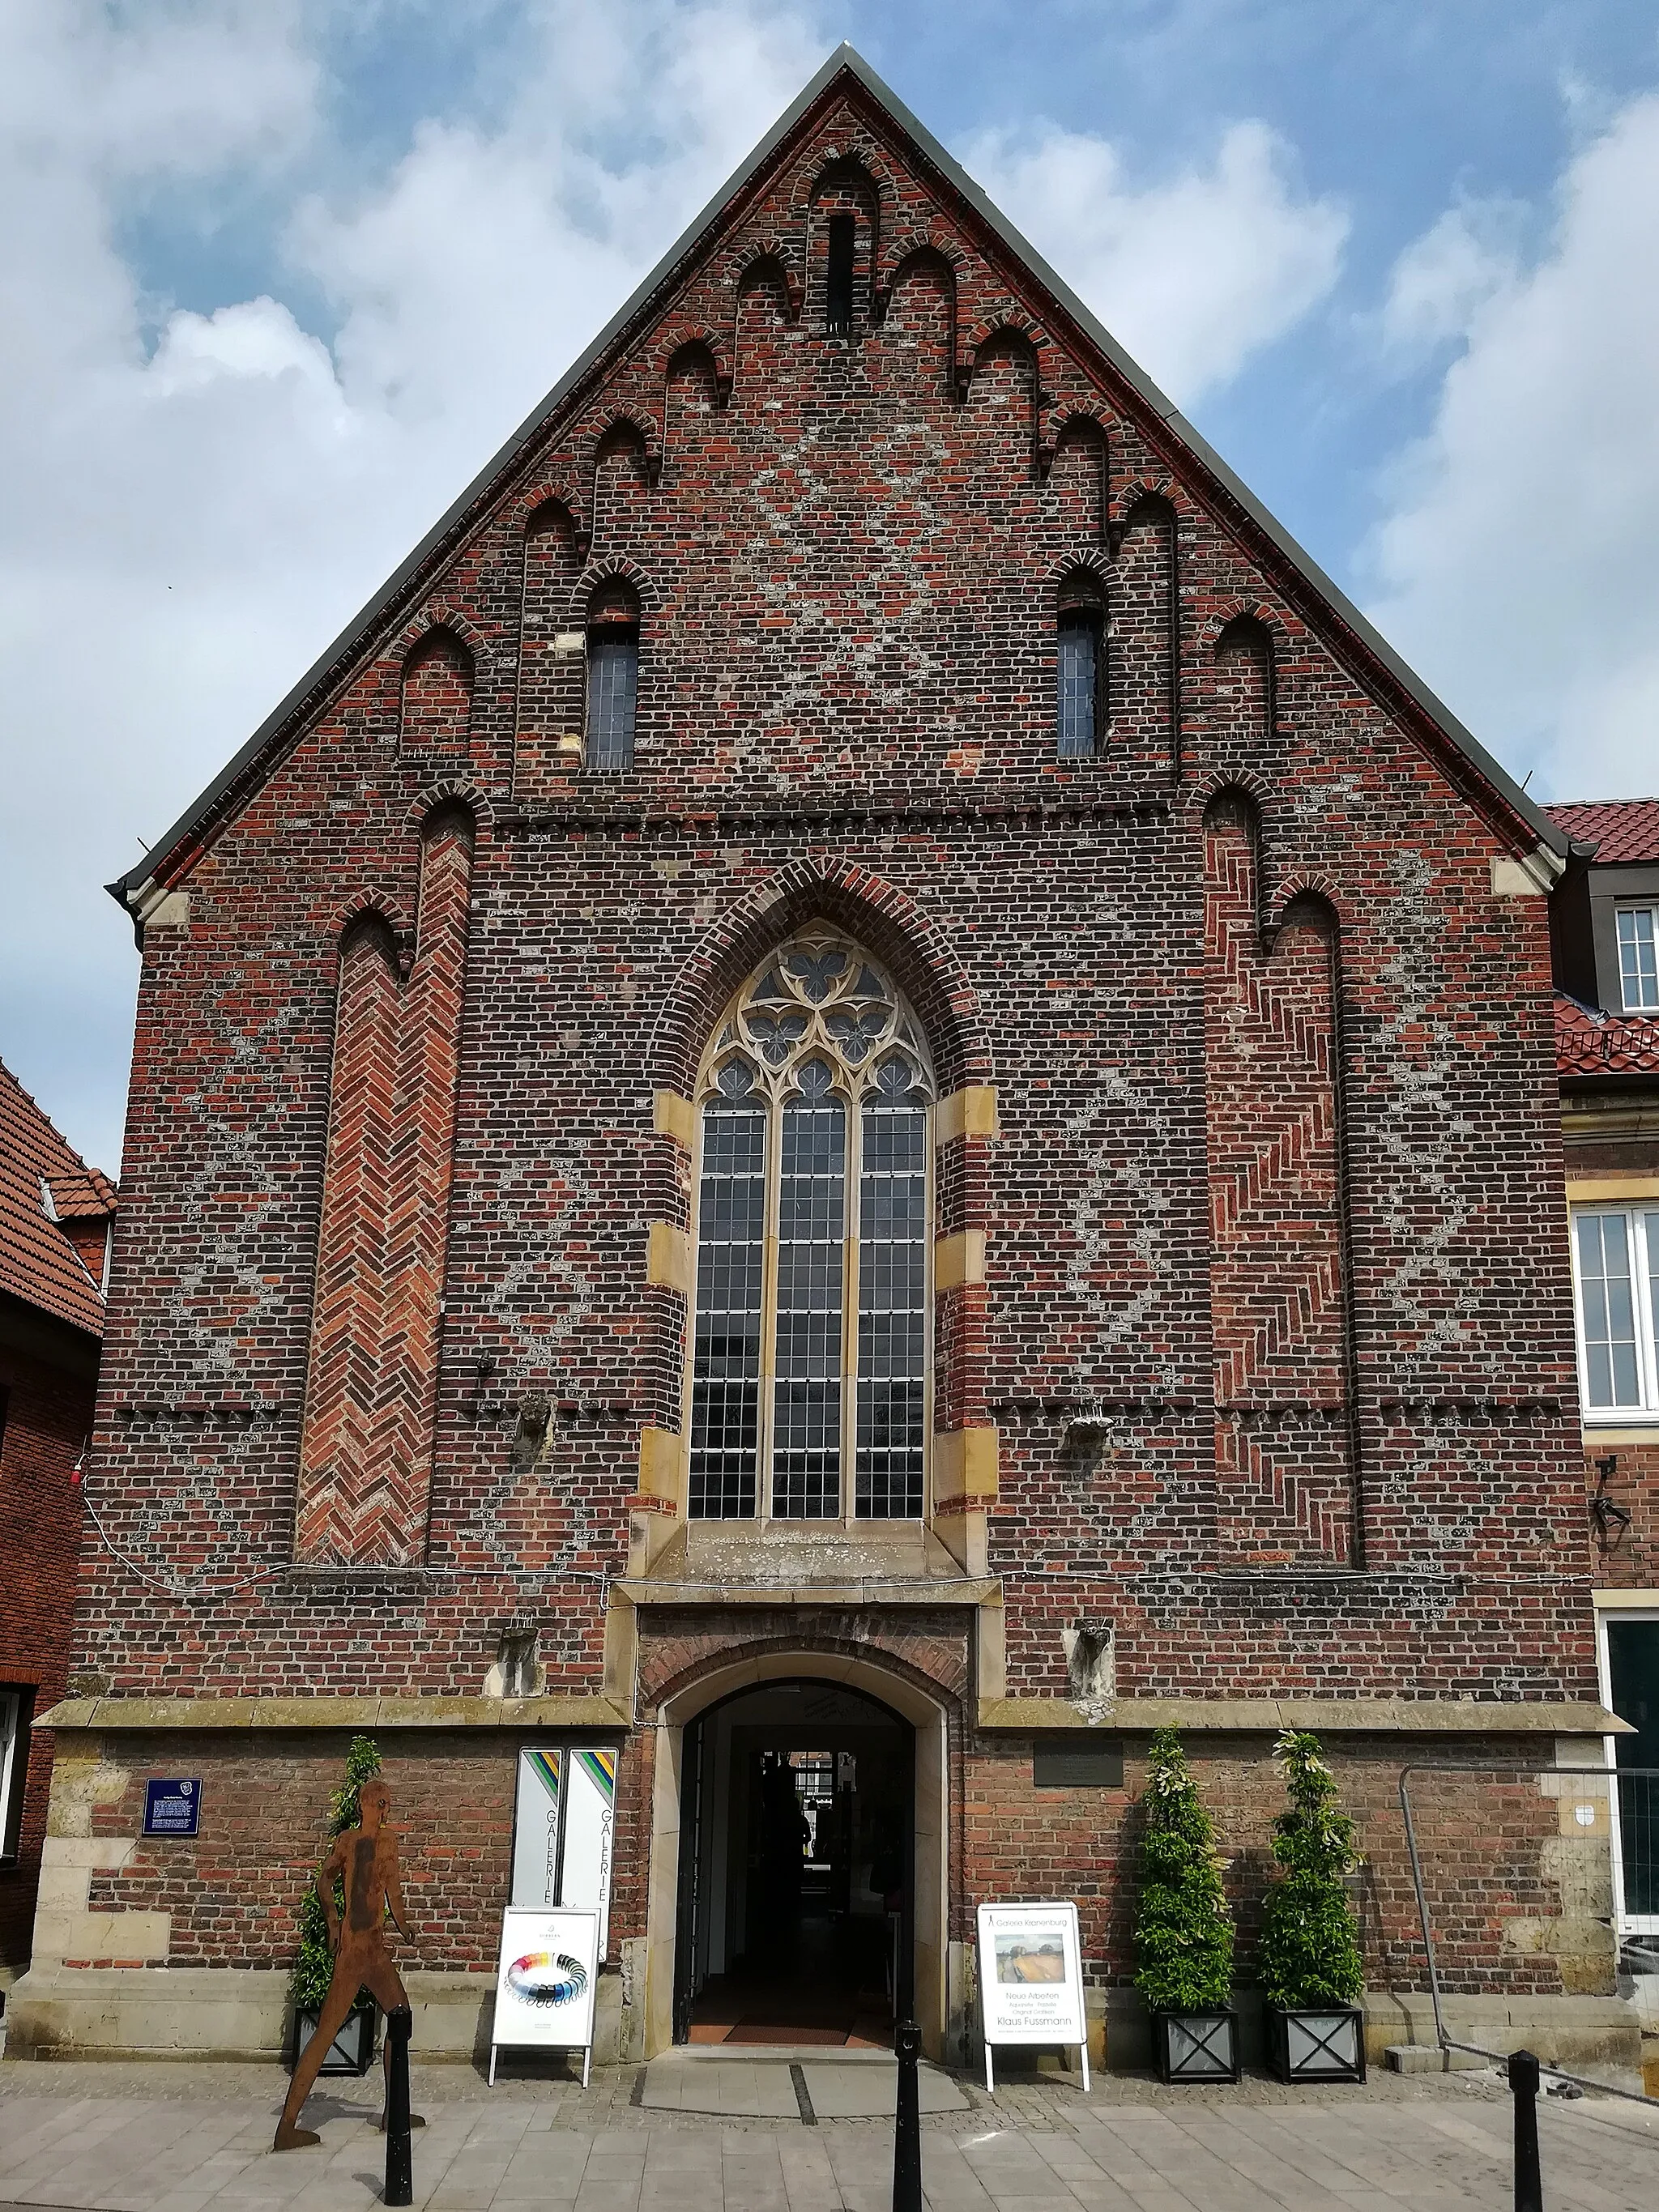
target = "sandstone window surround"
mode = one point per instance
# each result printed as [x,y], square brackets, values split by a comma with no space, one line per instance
[1615,1274]
[809,1384]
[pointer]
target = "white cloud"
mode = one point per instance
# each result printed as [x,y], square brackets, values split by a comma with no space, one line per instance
[1518,565]
[167,89]
[1192,275]
[196,497]
[191,514]
[1442,280]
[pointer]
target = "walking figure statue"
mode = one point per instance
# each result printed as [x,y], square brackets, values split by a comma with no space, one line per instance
[366,1858]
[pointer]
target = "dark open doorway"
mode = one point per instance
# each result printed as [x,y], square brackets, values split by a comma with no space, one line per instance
[796,1847]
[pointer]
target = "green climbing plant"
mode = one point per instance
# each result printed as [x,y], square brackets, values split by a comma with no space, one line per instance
[314,1963]
[1307,1953]
[1183,1930]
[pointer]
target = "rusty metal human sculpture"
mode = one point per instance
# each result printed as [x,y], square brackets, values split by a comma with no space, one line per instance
[366,1859]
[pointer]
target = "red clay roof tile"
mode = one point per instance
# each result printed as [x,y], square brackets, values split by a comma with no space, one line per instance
[1588,1043]
[1619,828]
[38,1260]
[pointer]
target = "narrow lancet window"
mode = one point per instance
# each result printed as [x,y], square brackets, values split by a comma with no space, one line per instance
[1078,672]
[613,679]
[838,276]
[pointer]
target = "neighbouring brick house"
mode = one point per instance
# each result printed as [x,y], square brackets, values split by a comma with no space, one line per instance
[55,1215]
[1605,913]
[846,1105]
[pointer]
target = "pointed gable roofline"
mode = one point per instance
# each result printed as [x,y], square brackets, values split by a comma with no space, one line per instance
[1329,608]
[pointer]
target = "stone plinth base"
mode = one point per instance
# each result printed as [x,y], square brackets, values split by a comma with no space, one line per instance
[228,2012]
[1576,2032]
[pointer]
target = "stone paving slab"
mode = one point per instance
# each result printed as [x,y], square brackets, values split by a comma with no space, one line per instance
[869,2093]
[763,2089]
[193,2139]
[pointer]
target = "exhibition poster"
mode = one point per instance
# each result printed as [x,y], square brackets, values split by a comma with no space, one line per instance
[546,1981]
[1030,1977]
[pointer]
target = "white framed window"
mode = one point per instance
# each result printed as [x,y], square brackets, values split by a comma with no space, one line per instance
[14,1767]
[1628,1657]
[1638,958]
[1615,1273]
[809,1370]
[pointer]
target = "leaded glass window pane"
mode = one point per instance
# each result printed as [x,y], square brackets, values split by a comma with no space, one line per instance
[726,1372]
[812,1327]
[811,1266]
[1079,635]
[892,1304]
[613,684]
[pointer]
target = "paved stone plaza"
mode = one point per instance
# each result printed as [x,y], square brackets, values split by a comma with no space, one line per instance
[150,2138]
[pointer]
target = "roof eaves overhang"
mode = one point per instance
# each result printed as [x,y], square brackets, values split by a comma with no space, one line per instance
[159,867]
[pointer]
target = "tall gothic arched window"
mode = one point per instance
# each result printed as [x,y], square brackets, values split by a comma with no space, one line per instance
[808,1367]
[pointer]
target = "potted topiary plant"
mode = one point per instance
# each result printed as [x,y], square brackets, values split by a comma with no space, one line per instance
[1183,1930]
[353,2048]
[1308,1954]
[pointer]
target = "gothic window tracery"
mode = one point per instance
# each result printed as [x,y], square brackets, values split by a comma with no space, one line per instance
[809,1337]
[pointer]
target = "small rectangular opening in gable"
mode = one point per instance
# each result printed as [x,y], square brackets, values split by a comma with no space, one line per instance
[838,280]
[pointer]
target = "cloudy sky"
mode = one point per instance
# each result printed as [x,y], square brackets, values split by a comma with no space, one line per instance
[278,275]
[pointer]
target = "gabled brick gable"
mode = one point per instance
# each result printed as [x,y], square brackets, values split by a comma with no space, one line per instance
[847,572]
[1252,1350]
[1097,436]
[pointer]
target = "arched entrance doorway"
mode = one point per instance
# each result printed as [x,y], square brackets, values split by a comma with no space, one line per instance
[741,1947]
[794,1909]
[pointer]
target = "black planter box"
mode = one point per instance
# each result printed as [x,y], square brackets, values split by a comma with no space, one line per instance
[1314,2043]
[1196,2046]
[352,2050]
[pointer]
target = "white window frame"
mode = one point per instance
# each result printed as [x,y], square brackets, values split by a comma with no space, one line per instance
[1635,907]
[1625,1923]
[13,1772]
[1635,1212]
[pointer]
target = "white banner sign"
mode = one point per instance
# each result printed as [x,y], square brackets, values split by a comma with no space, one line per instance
[545,1980]
[536,1827]
[1030,1974]
[590,1821]
[563,1830]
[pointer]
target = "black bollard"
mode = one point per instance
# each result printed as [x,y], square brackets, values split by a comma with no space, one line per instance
[399,2161]
[907,2127]
[1523,2088]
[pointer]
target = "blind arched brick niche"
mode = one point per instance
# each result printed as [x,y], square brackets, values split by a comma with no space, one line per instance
[367,1433]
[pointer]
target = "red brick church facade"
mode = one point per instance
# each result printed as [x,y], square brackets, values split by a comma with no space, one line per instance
[856,785]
